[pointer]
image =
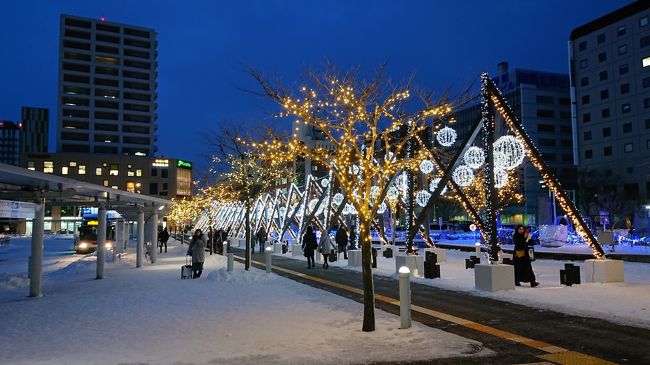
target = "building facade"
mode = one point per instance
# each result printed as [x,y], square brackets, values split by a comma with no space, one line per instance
[154,176]
[610,77]
[541,101]
[107,88]
[34,134]
[9,142]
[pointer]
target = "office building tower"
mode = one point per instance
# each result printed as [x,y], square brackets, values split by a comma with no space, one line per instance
[107,88]
[34,133]
[9,142]
[610,76]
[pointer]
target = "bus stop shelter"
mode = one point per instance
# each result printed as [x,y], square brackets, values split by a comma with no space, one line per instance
[25,192]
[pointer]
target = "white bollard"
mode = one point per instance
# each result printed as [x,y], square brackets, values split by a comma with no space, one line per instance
[405,296]
[231,261]
[477,246]
[268,251]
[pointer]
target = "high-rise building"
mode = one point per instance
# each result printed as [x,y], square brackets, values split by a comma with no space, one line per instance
[540,100]
[107,87]
[610,76]
[34,133]
[9,142]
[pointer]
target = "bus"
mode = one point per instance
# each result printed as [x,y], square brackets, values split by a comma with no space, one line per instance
[86,236]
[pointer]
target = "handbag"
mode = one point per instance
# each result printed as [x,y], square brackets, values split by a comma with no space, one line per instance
[520,253]
[333,256]
[531,254]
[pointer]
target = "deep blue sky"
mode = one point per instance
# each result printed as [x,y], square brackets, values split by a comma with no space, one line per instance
[202,45]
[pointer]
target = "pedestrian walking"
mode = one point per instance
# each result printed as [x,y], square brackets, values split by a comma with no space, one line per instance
[163,236]
[261,238]
[342,241]
[197,250]
[309,245]
[521,259]
[326,247]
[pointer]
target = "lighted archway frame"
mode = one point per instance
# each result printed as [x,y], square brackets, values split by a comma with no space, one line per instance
[496,99]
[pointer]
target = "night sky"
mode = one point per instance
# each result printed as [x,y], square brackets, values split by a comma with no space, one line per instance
[203,45]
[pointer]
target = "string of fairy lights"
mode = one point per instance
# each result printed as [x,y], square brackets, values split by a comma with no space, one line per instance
[371,155]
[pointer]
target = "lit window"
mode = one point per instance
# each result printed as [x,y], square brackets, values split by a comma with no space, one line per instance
[130,186]
[138,172]
[30,165]
[646,62]
[48,167]
[98,171]
[138,185]
[82,169]
[115,187]
[130,173]
[64,170]
[73,163]
[628,147]
[114,170]
[105,182]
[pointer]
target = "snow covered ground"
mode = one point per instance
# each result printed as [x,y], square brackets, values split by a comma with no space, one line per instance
[149,315]
[626,303]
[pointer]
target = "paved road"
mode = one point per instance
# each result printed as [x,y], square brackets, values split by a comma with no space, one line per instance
[548,337]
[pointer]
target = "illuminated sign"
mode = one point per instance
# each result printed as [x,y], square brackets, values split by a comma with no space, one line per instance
[93,223]
[184,164]
[160,162]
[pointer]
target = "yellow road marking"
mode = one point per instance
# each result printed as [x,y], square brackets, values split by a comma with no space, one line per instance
[572,357]
[555,354]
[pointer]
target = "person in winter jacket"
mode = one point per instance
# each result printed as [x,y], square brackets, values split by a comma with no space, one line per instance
[326,247]
[342,241]
[197,250]
[309,245]
[261,238]
[163,236]
[521,260]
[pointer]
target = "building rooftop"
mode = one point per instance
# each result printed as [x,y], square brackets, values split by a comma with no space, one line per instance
[610,18]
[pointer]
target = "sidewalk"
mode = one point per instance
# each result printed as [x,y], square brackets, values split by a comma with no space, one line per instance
[480,317]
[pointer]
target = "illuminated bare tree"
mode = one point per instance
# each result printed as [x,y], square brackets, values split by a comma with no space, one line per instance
[374,128]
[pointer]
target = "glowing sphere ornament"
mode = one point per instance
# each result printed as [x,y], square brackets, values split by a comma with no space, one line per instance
[500,178]
[508,153]
[463,175]
[356,169]
[446,136]
[474,157]
[324,183]
[422,198]
[337,199]
[426,166]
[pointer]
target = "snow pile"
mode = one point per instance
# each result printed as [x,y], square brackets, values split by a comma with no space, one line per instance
[149,315]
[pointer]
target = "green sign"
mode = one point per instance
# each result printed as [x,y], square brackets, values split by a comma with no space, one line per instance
[184,164]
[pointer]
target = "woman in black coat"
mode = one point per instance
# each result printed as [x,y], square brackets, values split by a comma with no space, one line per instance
[523,268]
[309,246]
[342,241]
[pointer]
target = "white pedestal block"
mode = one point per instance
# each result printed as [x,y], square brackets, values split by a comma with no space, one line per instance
[277,248]
[318,257]
[354,258]
[604,271]
[296,250]
[494,277]
[415,263]
[441,252]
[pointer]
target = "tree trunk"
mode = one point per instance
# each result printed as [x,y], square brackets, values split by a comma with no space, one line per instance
[368,286]
[247,261]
